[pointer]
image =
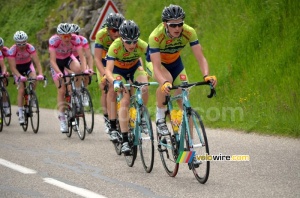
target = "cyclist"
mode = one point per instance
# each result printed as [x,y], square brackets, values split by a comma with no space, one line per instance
[4,53]
[165,44]
[21,57]
[104,39]
[61,57]
[88,56]
[124,63]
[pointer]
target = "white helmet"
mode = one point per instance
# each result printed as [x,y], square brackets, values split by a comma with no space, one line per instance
[20,36]
[75,27]
[1,42]
[64,28]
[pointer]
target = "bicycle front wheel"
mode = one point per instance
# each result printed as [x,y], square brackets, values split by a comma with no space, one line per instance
[1,117]
[34,112]
[79,124]
[88,110]
[168,150]
[6,107]
[130,157]
[146,140]
[198,144]
[25,113]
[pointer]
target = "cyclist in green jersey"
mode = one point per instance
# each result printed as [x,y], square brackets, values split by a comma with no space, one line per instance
[124,64]
[104,39]
[165,44]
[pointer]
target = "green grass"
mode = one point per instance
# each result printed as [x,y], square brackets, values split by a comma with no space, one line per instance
[251,46]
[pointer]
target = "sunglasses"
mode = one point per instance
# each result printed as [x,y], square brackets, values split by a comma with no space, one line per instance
[114,30]
[66,36]
[21,44]
[130,41]
[174,25]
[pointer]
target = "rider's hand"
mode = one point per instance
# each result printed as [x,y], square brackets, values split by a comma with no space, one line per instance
[212,79]
[6,74]
[117,85]
[22,78]
[88,71]
[165,87]
[60,75]
[40,77]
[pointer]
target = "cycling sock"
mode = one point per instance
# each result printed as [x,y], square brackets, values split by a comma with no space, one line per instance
[113,124]
[125,137]
[20,109]
[5,104]
[61,116]
[160,113]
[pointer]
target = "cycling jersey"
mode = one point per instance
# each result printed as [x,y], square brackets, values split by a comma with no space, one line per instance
[5,51]
[21,56]
[83,42]
[170,48]
[103,41]
[1,56]
[124,59]
[63,50]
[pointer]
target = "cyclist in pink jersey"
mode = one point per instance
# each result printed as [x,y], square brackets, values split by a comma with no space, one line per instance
[20,58]
[89,57]
[4,53]
[61,58]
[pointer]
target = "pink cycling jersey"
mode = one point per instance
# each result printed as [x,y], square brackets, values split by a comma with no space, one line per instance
[5,51]
[84,44]
[64,50]
[21,55]
[1,55]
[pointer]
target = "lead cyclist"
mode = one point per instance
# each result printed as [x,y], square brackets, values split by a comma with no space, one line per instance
[165,44]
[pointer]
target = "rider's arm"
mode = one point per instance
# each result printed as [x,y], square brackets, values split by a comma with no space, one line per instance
[82,58]
[37,63]
[198,53]
[109,70]
[89,58]
[98,60]
[53,61]
[2,64]
[156,61]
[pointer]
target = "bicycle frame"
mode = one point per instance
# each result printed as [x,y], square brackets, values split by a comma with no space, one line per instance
[184,129]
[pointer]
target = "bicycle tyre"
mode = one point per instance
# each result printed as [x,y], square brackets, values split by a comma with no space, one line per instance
[7,118]
[169,153]
[146,142]
[130,157]
[25,113]
[200,146]
[79,120]
[1,117]
[88,111]
[34,112]
[118,144]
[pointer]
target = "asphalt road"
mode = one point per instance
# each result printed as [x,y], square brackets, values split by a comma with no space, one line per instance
[49,164]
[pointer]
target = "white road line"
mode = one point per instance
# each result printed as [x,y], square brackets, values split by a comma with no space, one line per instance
[79,191]
[16,167]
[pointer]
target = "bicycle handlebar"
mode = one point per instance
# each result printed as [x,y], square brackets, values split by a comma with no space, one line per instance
[185,85]
[32,80]
[137,84]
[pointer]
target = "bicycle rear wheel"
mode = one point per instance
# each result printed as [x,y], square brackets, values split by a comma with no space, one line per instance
[34,112]
[6,104]
[168,150]
[25,113]
[199,144]
[88,110]
[131,156]
[146,141]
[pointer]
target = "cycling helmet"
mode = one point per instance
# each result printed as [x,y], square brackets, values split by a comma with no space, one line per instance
[64,28]
[75,27]
[129,30]
[114,20]
[1,42]
[172,12]
[20,36]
